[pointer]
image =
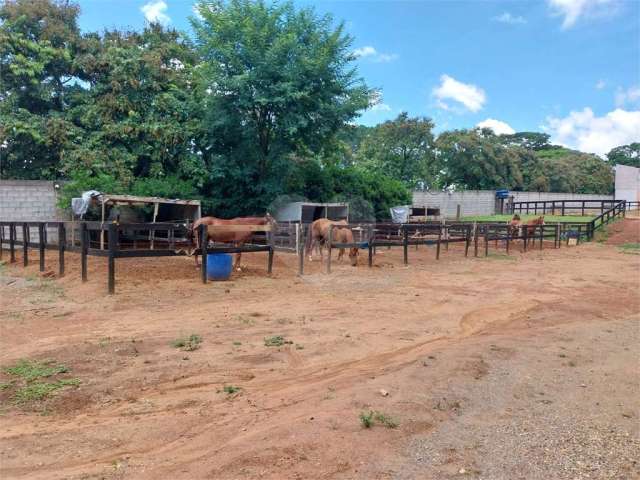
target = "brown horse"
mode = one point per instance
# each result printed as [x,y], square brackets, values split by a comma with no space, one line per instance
[532,225]
[236,238]
[319,234]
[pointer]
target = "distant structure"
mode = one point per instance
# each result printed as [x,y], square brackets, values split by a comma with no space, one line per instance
[627,183]
[307,212]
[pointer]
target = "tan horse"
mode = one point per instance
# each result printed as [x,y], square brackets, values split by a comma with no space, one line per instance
[319,234]
[236,238]
[514,225]
[531,225]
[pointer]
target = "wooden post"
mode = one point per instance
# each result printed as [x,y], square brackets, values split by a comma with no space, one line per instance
[271,235]
[486,241]
[25,244]
[508,239]
[370,246]
[62,245]
[329,248]
[405,244]
[525,237]
[557,239]
[563,202]
[112,244]
[467,240]
[458,212]
[300,244]
[583,208]
[204,241]
[12,242]
[41,244]
[101,229]
[579,234]
[475,239]
[155,215]
[84,247]
[438,243]
[1,240]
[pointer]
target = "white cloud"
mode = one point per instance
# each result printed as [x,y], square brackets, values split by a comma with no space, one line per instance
[372,54]
[471,96]
[629,96]
[506,17]
[584,131]
[380,107]
[498,127]
[601,84]
[154,12]
[573,10]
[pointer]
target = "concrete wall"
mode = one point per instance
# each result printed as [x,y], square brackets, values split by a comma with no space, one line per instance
[627,183]
[483,202]
[31,201]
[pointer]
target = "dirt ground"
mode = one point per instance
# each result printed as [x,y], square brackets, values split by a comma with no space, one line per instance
[506,367]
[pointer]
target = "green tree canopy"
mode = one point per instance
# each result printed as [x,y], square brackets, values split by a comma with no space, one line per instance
[276,81]
[38,39]
[625,155]
[402,148]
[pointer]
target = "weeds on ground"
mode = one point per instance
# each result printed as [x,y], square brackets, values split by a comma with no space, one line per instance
[231,389]
[276,341]
[500,256]
[237,344]
[188,344]
[28,384]
[369,419]
[631,248]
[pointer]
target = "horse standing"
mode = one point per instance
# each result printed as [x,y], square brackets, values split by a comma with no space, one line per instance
[531,225]
[319,234]
[237,238]
[513,227]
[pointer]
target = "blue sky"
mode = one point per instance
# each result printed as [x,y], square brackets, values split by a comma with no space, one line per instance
[567,67]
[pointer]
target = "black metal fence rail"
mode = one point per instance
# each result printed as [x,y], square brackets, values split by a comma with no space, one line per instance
[562,207]
[91,234]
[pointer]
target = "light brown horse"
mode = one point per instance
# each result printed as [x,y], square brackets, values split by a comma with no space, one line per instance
[319,234]
[236,238]
[532,225]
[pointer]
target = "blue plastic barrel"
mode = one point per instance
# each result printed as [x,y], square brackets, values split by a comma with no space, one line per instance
[219,266]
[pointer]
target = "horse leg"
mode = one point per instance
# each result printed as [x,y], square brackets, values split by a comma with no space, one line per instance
[340,254]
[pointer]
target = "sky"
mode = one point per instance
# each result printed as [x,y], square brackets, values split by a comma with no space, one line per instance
[570,68]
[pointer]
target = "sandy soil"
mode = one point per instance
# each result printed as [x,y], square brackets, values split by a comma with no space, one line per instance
[519,367]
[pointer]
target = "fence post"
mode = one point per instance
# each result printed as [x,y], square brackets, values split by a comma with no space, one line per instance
[563,202]
[508,239]
[329,249]
[300,244]
[467,240]
[271,238]
[41,245]
[25,244]
[204,241]
[486,240]
[541,235]
[12,242]
[475,239]
[525,237]
[1,240]
[438,243]
[370,242]
[583,208]
[62,245]
[112,244]
[84,247]
[405,244]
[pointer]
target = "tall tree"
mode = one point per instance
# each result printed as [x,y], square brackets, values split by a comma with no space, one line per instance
[474,159]
[137,115]
[625,155]
[402,148]
[38,39]
[278,80]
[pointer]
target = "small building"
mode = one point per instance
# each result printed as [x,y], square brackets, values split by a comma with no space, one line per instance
[627,184]
[307,212]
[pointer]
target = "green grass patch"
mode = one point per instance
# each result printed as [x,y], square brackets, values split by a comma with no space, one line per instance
[526,218]
[500,256]
[276,341]
[630,248]
[36,391]
[231,389]
[30,370]
[28,385]
[369,419]
[188,344]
